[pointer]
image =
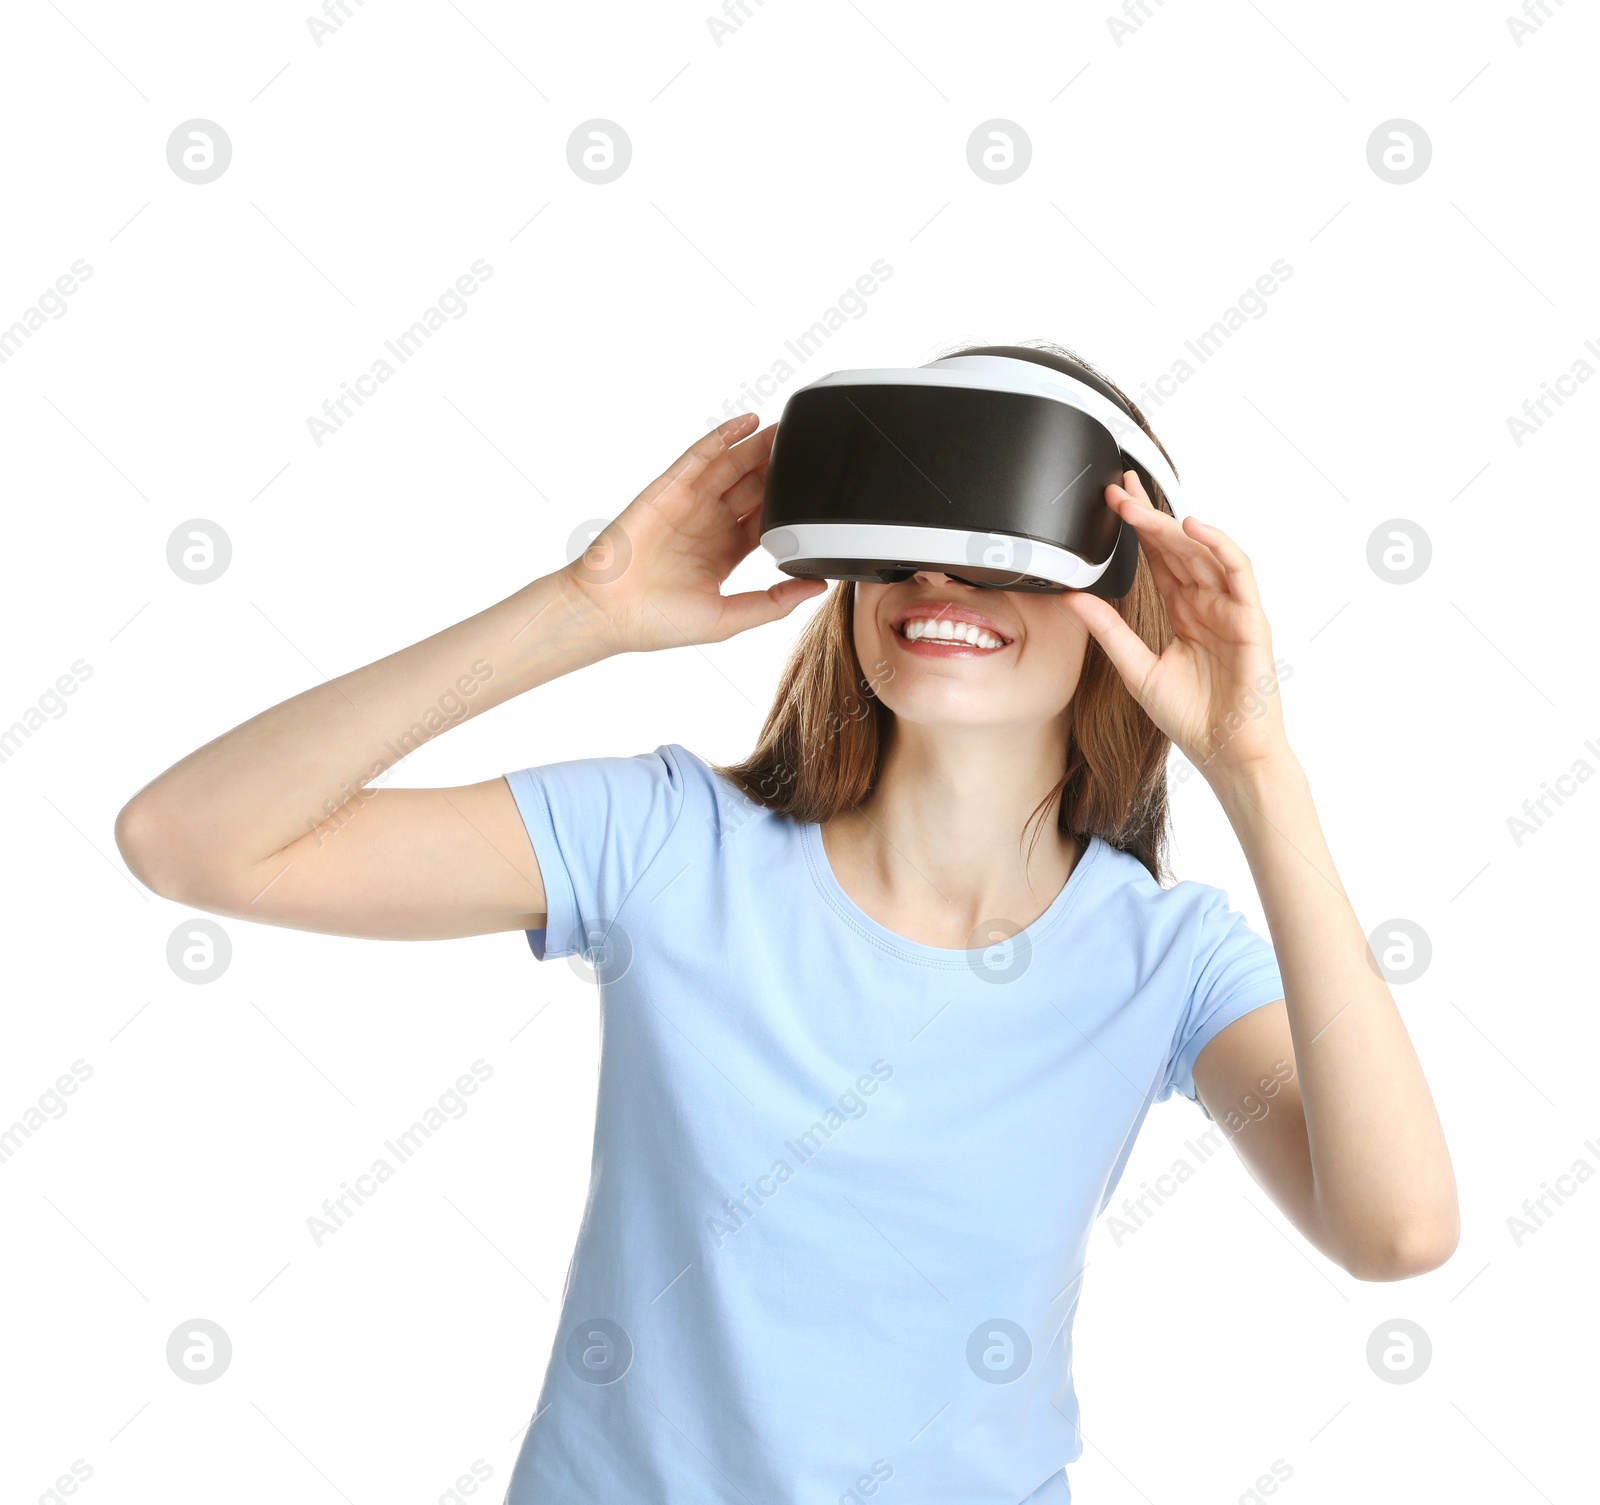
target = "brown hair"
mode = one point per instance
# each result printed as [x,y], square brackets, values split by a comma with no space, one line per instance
[820,749]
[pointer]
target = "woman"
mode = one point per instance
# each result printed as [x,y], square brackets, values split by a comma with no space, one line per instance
[872,1063]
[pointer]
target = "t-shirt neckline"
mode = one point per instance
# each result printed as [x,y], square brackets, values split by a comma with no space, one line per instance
[858,919]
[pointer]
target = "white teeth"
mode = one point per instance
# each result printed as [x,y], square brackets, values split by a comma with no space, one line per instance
[950,632]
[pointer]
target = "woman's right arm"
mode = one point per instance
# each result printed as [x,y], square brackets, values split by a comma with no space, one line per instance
[273,821]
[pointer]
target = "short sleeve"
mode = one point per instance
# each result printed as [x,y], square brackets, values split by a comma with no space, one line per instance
[596,825]
[1234,970]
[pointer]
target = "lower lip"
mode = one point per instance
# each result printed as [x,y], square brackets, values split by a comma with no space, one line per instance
[925,649]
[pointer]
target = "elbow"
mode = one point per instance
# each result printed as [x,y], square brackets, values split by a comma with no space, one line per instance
[1421,1246]
[150,844]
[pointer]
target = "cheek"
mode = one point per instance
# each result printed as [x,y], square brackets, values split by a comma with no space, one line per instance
[1053,681]
[1056,648]
[864,619]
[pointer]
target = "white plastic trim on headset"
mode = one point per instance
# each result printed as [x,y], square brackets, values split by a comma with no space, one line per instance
[958,546]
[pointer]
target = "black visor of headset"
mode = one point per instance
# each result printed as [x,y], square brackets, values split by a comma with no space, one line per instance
[990,469]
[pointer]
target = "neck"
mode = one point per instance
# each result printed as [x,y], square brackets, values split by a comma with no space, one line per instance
[940,844]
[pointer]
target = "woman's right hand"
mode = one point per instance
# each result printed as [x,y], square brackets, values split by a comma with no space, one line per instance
[653,577]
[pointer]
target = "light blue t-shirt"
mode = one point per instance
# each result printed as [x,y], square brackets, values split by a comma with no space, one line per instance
[843,1183]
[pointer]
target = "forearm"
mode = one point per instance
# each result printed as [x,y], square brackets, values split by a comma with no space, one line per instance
[1383,1186]
[234,802]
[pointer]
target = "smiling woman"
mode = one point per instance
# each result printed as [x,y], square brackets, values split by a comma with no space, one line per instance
[859,900]
[1110,780]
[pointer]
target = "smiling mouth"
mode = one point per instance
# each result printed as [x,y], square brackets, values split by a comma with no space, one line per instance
[941,632]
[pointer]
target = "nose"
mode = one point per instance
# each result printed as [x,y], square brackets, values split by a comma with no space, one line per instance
[939,577]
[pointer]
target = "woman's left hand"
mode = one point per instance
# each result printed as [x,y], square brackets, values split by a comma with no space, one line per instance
[1214,688]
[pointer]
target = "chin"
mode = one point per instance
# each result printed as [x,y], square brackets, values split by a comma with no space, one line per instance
[962,709]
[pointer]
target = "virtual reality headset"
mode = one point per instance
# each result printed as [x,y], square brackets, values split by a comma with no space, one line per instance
[990,467]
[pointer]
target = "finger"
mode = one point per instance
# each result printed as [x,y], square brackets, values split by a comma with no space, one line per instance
[1167,530]
[744,500]
[1235,562]
[1129,655]
[750,527]
[1166,570]
[1136,509]
[710,446]
[723,468]
[749,609]
[1190,560]
[745,495]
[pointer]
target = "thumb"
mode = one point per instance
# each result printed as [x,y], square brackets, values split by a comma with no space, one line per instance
[750,609]
[1128,652]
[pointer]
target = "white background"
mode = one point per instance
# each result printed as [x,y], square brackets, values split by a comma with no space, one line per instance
[769,172]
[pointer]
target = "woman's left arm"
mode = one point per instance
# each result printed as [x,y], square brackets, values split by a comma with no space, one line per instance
[1351,1148]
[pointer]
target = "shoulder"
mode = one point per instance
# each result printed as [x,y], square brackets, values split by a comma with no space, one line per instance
[668,786]
[720,807]
[1185,907]
[698,779]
